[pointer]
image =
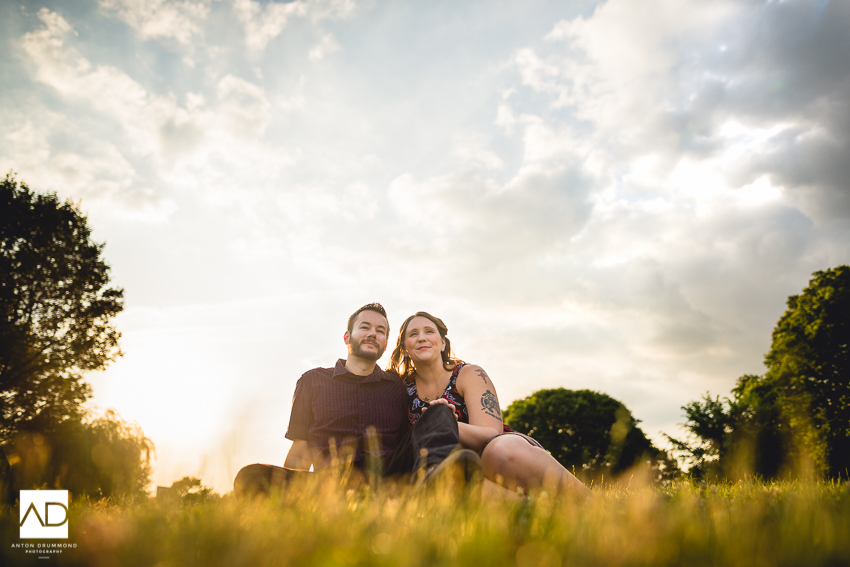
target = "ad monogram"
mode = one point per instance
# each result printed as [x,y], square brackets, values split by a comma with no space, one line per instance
[44,514]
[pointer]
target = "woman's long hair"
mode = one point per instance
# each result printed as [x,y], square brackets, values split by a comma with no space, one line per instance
[400,362]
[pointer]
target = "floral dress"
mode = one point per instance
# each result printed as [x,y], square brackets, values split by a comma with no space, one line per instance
[415,405]
[451,393]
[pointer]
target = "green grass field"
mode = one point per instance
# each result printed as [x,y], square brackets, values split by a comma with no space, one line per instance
[317,523]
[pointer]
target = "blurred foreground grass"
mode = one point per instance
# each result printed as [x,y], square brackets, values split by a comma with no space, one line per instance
[317,523]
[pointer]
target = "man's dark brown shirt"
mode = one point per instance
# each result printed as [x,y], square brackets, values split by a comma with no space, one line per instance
[334,404]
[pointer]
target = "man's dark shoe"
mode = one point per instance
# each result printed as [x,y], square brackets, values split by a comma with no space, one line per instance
[461,469]
[260,480]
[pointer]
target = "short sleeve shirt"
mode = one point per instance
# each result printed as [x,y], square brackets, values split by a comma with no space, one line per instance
[333,408]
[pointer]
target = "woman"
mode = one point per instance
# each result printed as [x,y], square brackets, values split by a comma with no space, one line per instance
[423,358]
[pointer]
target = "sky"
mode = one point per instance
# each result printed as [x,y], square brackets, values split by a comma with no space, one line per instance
[617,195]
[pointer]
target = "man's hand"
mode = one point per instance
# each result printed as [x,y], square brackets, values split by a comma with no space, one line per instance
[300,456]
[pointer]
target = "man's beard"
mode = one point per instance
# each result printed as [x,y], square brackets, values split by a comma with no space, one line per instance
[357,351]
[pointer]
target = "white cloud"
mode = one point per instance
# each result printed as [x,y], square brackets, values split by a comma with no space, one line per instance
[93,171]
[155,19]
[356,202]
[505,118]
[202,145]
[325,47]
[477,156]
[501,234]
[622,65]
[262,23]
[296,99]
[106,88]
[647,98]
[244,106]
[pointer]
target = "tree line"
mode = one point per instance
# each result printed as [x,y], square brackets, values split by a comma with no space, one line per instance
[56,307]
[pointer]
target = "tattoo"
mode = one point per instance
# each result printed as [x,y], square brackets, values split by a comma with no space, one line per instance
[490,405]
[482,374]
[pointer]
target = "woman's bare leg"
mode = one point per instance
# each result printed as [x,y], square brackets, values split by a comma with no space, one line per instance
[493,490]
[522,465]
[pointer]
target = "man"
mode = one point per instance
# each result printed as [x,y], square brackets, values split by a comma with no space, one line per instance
[333,407]
[356,412]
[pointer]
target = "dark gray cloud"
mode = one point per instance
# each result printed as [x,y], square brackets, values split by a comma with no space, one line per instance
[779,65]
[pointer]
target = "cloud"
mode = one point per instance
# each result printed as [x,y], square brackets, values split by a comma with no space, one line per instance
[262,23]
[49,154]
[671,192]
[199,145]
[325,47]
[682,105]
[472,151]
[246,109]
[673,84]
[106,88]
[495,239]
[156,19]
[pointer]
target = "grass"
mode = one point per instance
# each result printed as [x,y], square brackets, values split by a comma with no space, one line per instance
[319,523]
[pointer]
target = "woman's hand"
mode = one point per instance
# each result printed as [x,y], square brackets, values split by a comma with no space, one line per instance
[442,401]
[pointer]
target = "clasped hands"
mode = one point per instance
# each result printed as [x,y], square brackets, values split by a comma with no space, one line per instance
[445,402]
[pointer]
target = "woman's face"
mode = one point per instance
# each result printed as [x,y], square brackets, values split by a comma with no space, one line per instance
[422,341]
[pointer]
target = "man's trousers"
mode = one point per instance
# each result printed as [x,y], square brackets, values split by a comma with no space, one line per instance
[434,437]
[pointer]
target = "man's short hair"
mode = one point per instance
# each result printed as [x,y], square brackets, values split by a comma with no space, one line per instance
[376,307]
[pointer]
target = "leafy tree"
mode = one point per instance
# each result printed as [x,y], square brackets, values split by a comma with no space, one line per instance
[586,431]
[798,413]
[103,457]
[190,491]
[709,425]
[809,368]
[732,437]
[55,309]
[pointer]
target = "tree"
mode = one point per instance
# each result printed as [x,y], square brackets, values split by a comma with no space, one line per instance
[586,431]
[102,457]
[709,425]
[732,437]
[189,490]
[809,368]
[55,309]
[798,413]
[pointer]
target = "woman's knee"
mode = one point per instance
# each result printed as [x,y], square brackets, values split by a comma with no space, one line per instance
[504,451]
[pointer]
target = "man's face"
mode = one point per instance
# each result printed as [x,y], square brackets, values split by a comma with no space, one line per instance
[368,339]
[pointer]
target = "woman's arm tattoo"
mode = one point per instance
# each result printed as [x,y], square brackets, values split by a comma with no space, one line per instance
[490,405]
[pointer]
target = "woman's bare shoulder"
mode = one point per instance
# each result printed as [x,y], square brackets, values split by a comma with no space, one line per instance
[473,371]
